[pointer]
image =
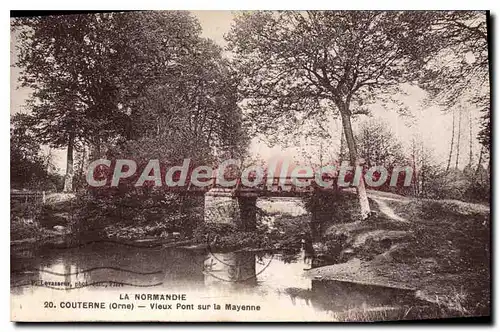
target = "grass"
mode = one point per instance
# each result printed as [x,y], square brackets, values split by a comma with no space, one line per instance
[385,314]
[34,221]
[443,251]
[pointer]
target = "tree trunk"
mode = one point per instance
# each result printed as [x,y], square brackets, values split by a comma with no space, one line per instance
[452,138]
[470,139]
[458,138]
[479,166]
[416,190]
[353,154]
[342,146]
[82,162]
[422,170]
[68,179]
[47,164]
[81,167]
[95,150]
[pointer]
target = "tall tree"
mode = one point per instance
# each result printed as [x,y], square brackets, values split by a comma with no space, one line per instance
[66,61]
[458,137]
[295,64]
[27,166]
[452,141]
[184,90]
[454,64]
[378,145]
[470,138]
[99,78]
[426,172]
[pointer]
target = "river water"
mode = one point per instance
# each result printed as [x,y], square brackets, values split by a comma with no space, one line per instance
[104,271]
[273,281]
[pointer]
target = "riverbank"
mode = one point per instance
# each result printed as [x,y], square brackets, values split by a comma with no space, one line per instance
[58,223]
[438,248]
[33,221]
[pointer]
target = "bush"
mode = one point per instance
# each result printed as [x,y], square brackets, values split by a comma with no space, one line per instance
[148,211]
[24,220]
[227,237]
[333,207]
[457,184]
[289,231]
[28,210]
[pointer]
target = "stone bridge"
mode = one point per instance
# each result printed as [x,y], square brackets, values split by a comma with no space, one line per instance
[238,205]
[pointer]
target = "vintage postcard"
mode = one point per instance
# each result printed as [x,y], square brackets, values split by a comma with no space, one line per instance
[250,166]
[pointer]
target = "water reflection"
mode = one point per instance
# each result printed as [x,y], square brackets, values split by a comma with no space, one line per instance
[273,279]
[233,268]
[340,296]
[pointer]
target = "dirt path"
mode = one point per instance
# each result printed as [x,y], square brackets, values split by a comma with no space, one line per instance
[386,209]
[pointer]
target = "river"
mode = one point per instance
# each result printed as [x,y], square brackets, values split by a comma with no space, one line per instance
[273,281]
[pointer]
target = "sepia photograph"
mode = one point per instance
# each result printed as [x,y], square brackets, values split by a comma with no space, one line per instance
[250,166]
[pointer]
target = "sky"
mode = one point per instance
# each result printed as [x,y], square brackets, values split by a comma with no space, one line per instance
[429,123]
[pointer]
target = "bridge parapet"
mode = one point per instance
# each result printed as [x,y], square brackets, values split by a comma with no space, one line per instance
[279,187]
[223,206]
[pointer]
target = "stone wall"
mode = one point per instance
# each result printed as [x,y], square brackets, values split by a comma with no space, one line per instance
[224,207]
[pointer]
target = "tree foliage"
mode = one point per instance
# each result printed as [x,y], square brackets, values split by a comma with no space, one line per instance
[28,167]
[105,79]
[66,61]
[299,65]
[135,85]
[296,65]
[454,64]
[379,146]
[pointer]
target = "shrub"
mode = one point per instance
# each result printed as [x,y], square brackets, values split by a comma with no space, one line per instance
[228,237]
[141,208]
